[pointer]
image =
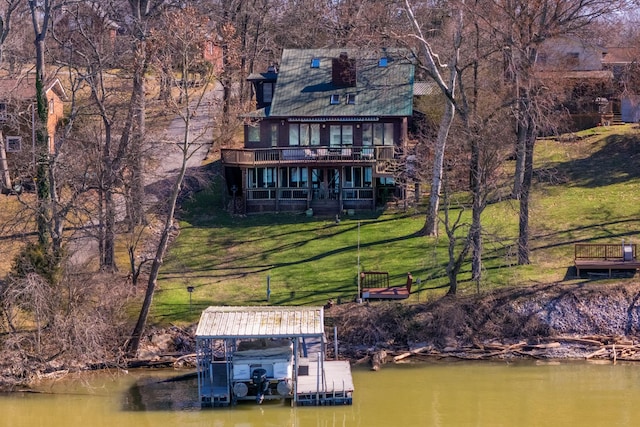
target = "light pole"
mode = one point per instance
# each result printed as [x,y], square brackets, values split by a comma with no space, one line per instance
[190,289]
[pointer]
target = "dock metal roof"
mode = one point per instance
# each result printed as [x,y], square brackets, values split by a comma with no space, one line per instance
[257,322]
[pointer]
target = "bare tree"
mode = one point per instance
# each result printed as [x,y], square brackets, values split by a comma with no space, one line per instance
[522,26]
[186,32]
[6,12]
[445,76]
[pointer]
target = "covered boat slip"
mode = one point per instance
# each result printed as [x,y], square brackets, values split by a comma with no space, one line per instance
[257,353]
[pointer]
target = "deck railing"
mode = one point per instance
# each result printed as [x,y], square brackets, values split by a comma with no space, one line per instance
[296,193]
[315,154]
[605,251]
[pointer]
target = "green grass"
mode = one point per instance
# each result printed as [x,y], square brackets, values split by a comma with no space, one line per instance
[586,190]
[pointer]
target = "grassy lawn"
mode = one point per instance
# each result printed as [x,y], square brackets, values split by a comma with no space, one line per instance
[586,190]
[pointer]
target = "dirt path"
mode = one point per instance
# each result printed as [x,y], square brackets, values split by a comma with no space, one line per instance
[164,160]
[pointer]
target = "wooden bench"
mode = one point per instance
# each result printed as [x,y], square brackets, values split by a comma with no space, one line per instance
[607,257]
[375,285]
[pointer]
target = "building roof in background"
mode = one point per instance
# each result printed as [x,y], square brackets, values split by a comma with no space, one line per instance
[426,88]
[621,55]
[382,88]
[25,88]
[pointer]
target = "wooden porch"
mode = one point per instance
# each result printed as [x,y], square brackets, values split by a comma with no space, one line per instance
[308,155]
[605,257]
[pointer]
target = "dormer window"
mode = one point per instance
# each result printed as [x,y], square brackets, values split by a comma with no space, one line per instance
[335,99]
[267,91]
[382,62]
[351,98]
[315,63]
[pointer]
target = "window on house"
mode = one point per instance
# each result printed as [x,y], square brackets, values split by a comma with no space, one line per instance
[357,176]
[13,143]
[253,133]
[335,99]
[315,63]
[377,134]
[385,181]
[573,59]
[367,134]
[294,177]
[267,91]
[261,177]
[315,134]
[340,135]
[52,106]
[351,98]
[304,134]
[274,134]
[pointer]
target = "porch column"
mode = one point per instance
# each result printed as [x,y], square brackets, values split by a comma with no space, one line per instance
[309,188]
[278,189]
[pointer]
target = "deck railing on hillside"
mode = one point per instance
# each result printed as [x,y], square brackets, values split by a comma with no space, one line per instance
[605,251]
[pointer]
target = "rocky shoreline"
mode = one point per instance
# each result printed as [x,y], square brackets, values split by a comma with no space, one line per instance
[581,321]
[587,320]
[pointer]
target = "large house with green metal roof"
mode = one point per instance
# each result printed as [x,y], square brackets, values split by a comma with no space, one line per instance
[328,130]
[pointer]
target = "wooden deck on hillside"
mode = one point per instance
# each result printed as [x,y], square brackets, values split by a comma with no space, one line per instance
[607,257]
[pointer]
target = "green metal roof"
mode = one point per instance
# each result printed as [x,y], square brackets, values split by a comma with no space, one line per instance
[305,91]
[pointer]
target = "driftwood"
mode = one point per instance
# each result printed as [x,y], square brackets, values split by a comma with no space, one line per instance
[608,348]
[378,359]
[410,353]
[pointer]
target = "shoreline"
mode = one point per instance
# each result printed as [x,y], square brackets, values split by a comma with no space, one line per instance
[579,321]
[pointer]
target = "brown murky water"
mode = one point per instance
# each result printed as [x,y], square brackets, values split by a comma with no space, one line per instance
[452,394]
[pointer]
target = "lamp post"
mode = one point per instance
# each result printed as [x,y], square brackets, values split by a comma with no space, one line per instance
[190,289]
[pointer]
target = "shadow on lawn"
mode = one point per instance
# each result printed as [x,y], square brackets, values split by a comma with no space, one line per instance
[616,162]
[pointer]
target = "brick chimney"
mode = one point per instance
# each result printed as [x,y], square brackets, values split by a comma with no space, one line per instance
[343,71]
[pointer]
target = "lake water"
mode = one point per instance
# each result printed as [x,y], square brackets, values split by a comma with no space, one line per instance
[439,394]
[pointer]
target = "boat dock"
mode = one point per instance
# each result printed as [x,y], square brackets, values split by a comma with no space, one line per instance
[286,359]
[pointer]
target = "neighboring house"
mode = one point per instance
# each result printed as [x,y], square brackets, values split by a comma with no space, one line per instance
[18,115]
[329,124]
[572,69]
[624,64]
[601,83]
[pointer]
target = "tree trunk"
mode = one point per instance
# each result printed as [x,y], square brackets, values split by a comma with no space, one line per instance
[4,166]
[431,62]
[475,231]
[138,100]
[520,148]
[40,21]
[431,226]
[523,237]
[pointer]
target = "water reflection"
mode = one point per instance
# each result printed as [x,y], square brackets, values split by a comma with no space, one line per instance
[452,394]
[151,394]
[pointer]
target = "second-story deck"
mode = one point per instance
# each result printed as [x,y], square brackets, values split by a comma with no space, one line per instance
[307,155]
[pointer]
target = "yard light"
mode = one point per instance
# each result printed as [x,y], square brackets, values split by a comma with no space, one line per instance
[190,290]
